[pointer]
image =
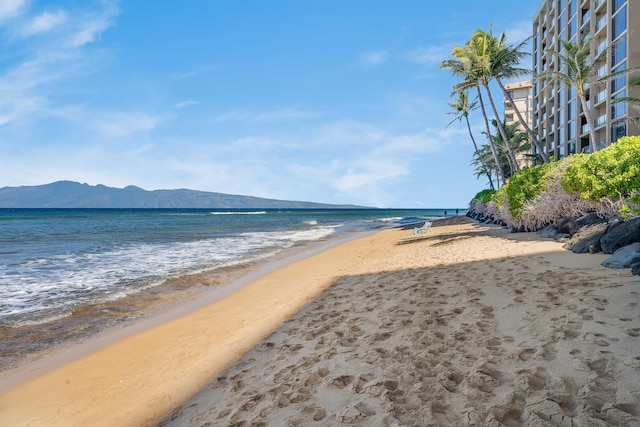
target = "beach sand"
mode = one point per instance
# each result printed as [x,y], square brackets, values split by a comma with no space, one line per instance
[467,324]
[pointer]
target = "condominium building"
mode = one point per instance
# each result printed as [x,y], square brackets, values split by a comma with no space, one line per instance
[558,117]
[520,93]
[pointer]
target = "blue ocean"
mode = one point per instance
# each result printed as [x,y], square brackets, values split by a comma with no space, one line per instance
[55,263]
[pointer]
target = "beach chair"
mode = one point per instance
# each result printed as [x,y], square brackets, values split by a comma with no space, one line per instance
[423,229]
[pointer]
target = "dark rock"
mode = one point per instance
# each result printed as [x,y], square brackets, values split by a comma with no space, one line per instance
[590,219]
[624,257]
[621,234]
[635,269]
[587,239]
[566,225]
[548,232]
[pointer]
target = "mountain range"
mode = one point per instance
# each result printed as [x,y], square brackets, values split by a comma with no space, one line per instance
[69,194]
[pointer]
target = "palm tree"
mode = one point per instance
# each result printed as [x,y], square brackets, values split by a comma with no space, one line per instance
[579,71]
[518,140]
[461,107]
[505,65]
[481,53]
[485,164]
[458,67]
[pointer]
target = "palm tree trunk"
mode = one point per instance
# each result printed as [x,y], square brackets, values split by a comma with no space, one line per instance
[523,122]
[512,158]
[475,146]
[592,131]
[491,146]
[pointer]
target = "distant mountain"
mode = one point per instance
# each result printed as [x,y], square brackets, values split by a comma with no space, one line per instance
[68,194]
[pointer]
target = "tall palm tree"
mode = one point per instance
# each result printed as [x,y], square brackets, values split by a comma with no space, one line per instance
[579,71]
[460,65]
[481,52]
[505,66]
[461,107]
[485,164]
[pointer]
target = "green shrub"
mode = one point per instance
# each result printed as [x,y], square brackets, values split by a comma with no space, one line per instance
[500,197]
[483,196]
[525,185]
[613,173]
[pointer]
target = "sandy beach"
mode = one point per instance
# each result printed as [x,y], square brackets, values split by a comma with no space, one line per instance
[467,324]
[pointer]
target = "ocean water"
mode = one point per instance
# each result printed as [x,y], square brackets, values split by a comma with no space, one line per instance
[56,261]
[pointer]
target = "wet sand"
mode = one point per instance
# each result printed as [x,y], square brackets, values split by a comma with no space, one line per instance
[464,325]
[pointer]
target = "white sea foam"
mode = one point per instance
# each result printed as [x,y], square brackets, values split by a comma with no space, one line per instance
[52,286]
[239,213]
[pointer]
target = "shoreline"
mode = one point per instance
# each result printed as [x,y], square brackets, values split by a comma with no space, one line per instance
[144,310]
[461,283]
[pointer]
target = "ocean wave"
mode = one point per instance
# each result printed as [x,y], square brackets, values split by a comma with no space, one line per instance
[49,287]
[239,213]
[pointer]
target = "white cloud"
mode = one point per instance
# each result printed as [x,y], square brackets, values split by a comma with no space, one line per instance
[25,89]
[89,28]
[187,103]
[375,58]
[123,124]
[11,8]
[430,55]
[43,23]
[283,114]
[519,32]
[368,173]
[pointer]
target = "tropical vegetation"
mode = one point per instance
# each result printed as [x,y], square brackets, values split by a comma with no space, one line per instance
[527,198]
[606,182]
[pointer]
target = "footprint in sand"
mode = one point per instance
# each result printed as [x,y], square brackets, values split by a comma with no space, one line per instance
[549,351]
[526,354]
[538,380]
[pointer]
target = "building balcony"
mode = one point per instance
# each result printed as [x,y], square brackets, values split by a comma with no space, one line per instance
[601,24]
[601,96]
[602,70]
[584,129]
[601,120]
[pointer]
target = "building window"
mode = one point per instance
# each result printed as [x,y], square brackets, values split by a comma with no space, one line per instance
[586,15]
[618,130]
[571,110]
[571,29]
[620,81]
[572,7]
[572,147]
[619,109]
[571,130]
[617,4]
[619,51]
[619,23]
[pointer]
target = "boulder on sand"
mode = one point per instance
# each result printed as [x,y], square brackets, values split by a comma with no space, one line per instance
[566,225]
[619,235]
[624,257]
[587,239]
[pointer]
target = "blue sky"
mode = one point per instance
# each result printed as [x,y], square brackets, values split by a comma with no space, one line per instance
[322,100]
